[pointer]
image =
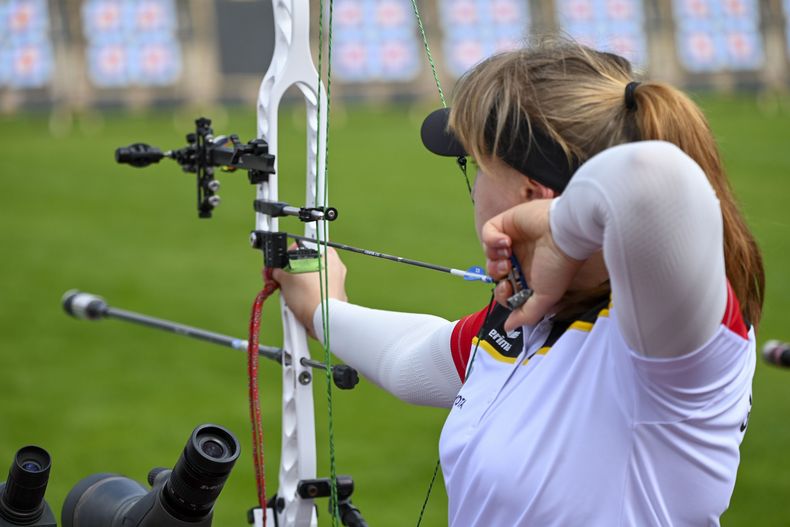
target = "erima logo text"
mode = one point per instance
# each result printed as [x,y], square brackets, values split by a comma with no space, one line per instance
[500,340]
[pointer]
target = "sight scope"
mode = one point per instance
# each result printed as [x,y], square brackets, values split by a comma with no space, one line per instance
[181,497]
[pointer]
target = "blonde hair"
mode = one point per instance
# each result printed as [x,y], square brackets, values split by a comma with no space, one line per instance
[575,95]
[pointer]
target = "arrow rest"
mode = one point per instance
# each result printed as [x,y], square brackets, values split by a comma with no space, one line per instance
[276,254]
[274,245]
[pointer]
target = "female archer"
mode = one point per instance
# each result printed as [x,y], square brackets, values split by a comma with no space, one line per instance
[618,393]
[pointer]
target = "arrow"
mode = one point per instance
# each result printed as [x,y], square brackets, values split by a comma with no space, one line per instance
[471,275]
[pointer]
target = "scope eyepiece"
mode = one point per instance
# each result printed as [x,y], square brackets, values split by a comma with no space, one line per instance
[201,472]
[22,495]
[138,155]
[183,496]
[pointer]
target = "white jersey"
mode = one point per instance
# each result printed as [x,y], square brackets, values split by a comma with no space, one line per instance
[631,415]
[585,431]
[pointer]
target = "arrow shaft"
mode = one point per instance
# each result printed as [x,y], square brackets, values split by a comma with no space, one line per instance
[399,259]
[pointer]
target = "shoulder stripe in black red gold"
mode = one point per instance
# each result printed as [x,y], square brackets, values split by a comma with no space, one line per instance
[584,322]
[464,332]
[494,351]
[733,317]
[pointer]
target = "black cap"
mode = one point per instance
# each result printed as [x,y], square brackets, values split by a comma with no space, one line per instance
[437,138]
[534,153]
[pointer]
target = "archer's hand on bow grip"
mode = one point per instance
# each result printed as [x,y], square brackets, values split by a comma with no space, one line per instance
[525,232]
[302,291]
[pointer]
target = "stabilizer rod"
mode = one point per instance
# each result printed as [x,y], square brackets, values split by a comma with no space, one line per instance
[93,307]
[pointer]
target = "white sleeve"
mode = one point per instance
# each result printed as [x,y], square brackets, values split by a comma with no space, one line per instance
[651,209]
[407,354]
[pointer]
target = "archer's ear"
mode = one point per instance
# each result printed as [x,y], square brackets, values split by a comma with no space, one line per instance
[535,190]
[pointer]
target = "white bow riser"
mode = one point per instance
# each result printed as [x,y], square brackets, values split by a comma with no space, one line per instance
[292,65]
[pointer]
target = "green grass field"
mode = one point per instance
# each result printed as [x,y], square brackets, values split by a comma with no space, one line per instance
[110,397]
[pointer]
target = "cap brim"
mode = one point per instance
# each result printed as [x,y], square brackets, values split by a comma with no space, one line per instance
[437,138]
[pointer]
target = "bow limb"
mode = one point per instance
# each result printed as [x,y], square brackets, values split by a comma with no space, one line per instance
[292,65]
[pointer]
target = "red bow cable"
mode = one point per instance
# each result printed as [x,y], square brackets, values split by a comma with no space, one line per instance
[269,287]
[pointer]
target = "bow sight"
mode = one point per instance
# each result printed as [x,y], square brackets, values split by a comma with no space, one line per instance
[202,155]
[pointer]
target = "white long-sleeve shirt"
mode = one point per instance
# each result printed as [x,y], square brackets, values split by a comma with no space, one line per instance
[631,415]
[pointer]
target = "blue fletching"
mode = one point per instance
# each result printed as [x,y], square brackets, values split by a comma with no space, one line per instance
[476,270]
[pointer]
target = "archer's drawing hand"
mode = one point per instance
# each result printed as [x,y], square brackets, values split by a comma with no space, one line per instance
[525,232]
[302,292]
